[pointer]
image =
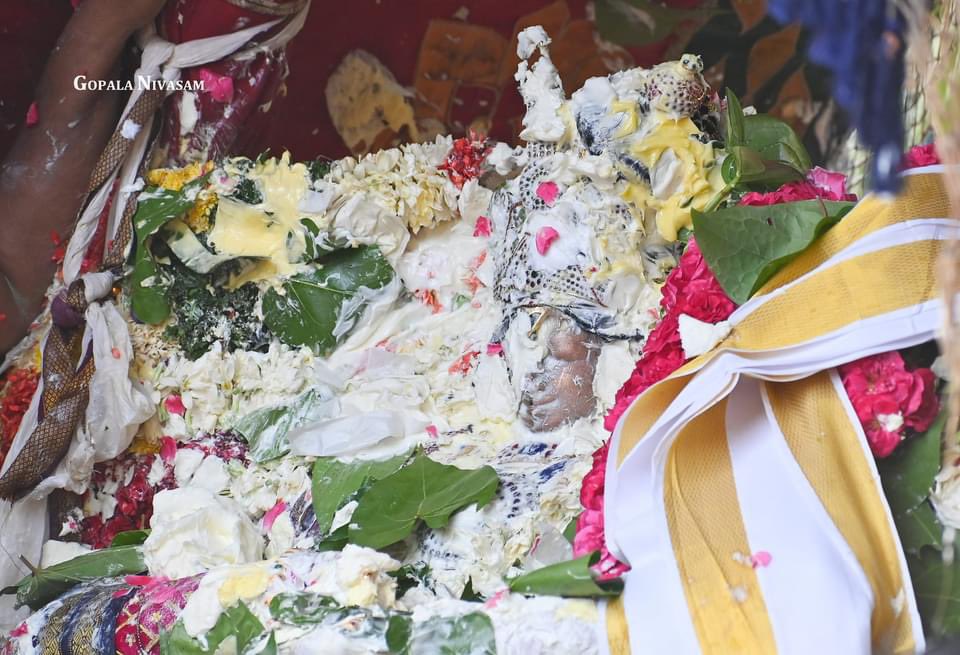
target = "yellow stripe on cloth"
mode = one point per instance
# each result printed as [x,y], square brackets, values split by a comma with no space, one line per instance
[923,196]
[618,633]
[860,288]
[706,528]
[828,449]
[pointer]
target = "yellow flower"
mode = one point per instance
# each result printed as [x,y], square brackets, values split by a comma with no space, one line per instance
[198,217]
[173,179]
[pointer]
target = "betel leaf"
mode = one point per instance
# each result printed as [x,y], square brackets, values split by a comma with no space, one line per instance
[266,429]
[317,309]
[907,476]
[641,22]
[399,629]
[470,634]
[237,621]
[129,538]
[733,120]
[422,490]
[334,483]
[775,140]
[45,584]
[745,246]
[155,208]
[919,527]
[746,168]
[573,579]
[936,585]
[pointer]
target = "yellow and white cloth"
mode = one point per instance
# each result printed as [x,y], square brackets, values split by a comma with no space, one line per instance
[755,448]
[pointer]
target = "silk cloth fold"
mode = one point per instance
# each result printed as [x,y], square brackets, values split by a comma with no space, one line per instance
[742,490]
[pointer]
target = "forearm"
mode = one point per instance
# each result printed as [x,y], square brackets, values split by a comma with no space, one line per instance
[44,178]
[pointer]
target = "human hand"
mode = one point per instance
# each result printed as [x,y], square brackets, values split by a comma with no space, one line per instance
[125,15]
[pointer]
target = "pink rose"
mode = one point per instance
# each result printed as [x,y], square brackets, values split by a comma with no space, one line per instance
[888,399]
[929,406]
[917,156]
[220,87]
[819,183]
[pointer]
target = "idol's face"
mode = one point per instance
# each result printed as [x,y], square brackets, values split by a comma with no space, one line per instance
[560,390]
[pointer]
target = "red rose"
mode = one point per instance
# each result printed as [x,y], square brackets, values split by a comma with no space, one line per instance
[925,155]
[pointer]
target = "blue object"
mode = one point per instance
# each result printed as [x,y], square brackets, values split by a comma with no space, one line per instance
[862,43]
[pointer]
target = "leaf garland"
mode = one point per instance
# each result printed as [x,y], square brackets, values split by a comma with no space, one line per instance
[424,490]
[318,308]
[745,246]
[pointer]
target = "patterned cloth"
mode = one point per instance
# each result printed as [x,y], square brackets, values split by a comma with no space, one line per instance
[83,622]
[152,610]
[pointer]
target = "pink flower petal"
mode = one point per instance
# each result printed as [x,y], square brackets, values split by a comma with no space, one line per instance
[220,87]
[495,599]
[168,449]
[174,404]
[548,192]
[33,115]
[494,348]
[272,514]
[545,238]
[432,431]
[482,227]
[138,580]
[761,559]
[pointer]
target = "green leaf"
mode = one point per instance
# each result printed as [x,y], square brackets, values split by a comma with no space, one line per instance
[907,477]
[423,490]
[776,141]
[237,621]
[304,608]
[318,308]
[470,634]
[155,208]
[937,589]
[334,483]
[734,120]
[129,538]
[572,579]
[642,22]
[745,246]
[919,527]
[266,429]
[399,629]
[745,167]
[45,584]
[570,531]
